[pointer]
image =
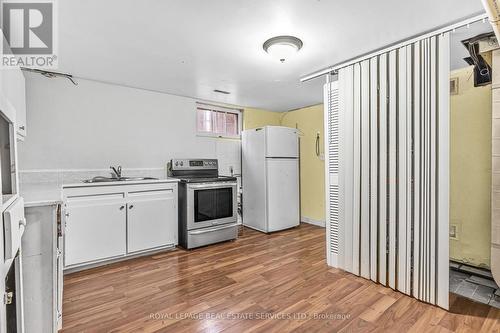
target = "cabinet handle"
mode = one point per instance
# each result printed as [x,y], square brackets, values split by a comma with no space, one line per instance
[122,207]
[22,128]
[131,206]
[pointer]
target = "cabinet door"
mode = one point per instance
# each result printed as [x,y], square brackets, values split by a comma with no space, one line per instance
[95,229]
[14,90]
[152,219]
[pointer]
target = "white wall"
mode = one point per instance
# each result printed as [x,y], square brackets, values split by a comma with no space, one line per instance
[95,125]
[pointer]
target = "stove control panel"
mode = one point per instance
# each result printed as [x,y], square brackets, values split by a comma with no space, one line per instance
[193,164]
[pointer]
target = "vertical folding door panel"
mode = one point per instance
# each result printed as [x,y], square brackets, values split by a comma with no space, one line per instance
[356,181]
[373,236]
[402,139]
[332,169]
[346,96]
[383,187]
[409,166]
[388,197]
[392,151]
[365,170]
[424,217]
[417,169]
[432,168]
[443,144]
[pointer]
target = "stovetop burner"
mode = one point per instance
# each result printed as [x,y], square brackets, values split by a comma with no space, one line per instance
[196,171]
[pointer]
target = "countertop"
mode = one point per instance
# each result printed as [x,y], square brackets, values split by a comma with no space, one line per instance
[7,200]
[41,194]
[128,182]
[50,193]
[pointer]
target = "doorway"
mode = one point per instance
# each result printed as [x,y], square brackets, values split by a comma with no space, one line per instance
[470,163]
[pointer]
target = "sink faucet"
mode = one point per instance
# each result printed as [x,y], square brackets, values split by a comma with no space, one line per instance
[117,172]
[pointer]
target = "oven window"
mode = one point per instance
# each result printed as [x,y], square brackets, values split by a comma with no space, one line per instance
[213,204]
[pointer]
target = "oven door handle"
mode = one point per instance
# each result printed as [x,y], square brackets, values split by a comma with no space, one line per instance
[206,186]
[206,230]
[218,223]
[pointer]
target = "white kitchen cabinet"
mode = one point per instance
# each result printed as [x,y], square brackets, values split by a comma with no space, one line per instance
[42,269]
[13,89]
[15,92]
[152,221]
[95,228]
[109,222]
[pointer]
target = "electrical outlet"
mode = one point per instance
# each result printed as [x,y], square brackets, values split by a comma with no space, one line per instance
[453,231]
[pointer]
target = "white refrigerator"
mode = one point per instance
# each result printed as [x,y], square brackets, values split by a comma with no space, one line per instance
[270,163]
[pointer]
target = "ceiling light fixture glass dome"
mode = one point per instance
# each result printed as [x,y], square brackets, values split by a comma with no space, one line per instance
[282,47]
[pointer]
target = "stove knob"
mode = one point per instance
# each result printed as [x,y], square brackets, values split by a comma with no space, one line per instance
[176,163]
[182,163]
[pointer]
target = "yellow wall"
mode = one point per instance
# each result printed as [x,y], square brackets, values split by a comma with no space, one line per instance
[312,169]
[470,174]
[253,118]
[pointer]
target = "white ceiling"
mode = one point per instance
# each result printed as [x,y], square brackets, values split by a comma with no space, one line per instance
[190,47]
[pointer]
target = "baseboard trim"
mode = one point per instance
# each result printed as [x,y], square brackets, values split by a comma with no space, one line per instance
[309,220]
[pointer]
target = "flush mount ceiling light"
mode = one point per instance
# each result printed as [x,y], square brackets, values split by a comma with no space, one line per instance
[282,47]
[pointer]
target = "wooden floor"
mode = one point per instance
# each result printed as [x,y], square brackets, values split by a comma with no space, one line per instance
[261,283]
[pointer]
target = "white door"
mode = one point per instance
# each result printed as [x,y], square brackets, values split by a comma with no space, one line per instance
[152,220]
[281,142]
[95,229]
[282,193]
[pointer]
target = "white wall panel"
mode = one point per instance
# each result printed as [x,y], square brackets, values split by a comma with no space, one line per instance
[147,127]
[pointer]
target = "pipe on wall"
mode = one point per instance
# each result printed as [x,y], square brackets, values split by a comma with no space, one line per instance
[492,8]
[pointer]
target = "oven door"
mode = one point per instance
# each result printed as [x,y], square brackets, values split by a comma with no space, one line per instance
[211,204]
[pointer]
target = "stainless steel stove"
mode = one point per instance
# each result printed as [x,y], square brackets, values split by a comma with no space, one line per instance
[207,202]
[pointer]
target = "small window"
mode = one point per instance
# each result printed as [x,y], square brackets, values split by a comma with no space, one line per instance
[218,121]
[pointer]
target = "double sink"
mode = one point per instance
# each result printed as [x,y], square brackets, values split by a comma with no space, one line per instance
[116,176]
[101,179]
